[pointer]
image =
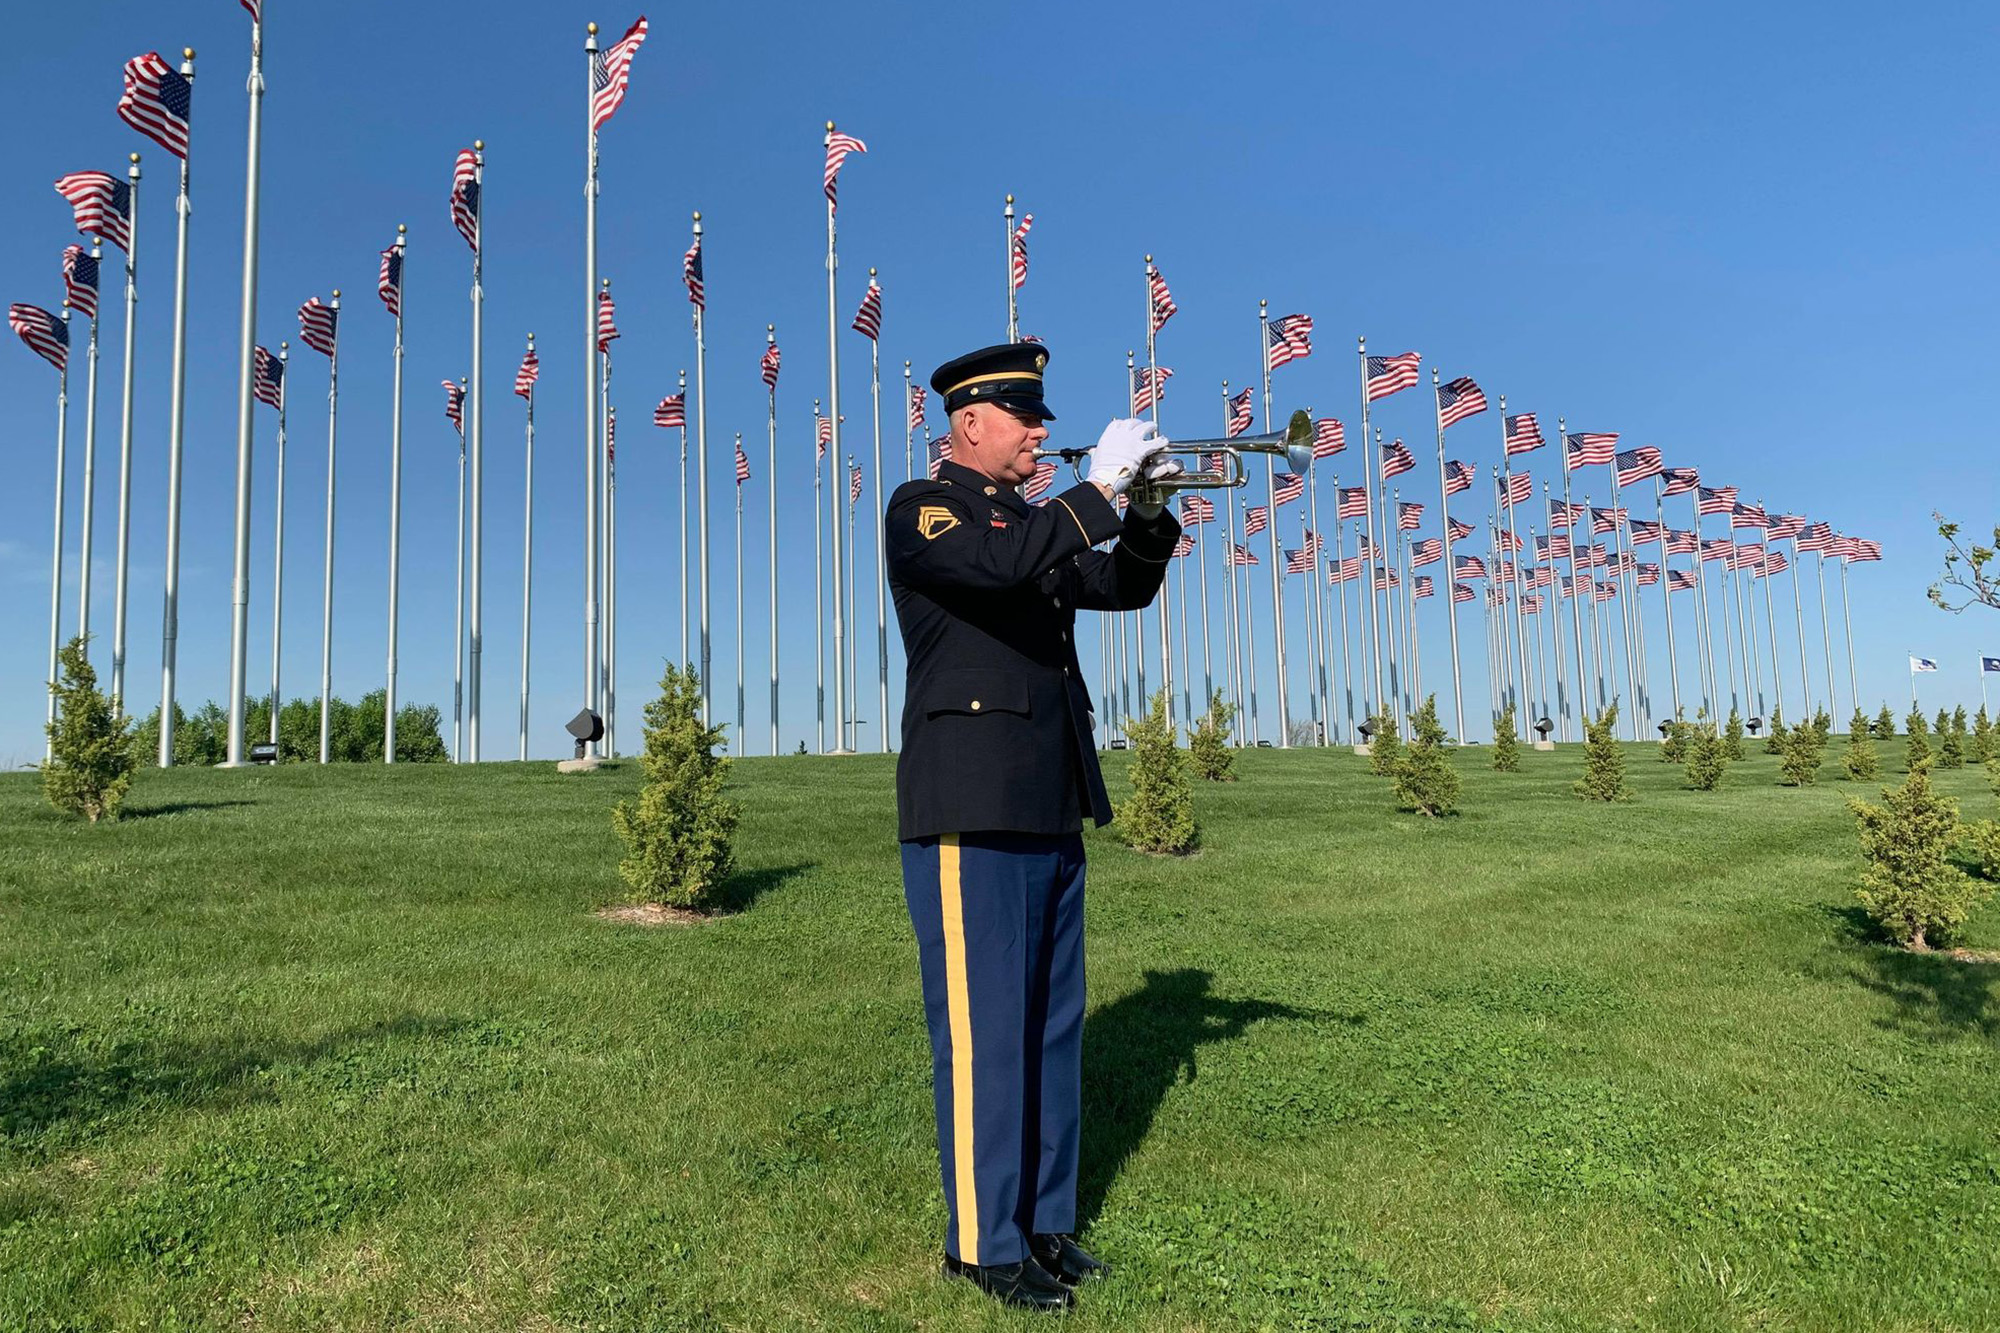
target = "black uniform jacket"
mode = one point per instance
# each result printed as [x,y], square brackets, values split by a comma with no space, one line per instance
[996,717]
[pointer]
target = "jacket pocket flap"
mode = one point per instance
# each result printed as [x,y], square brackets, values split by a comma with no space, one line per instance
[976,690]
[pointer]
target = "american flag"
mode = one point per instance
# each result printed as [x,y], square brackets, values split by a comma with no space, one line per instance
[1458,400]
[868,319]
[1717,548]
[1458,476]
[1531,602]
[256,8]
[389,281]
[1516,488]
[1241,555]
[1555,546]
[1386,578]
[691,275]
[1635,465]
[102,204]
[917,397]
[80,281]
[1468,567]
[157,102]
[1644,532]
[1288,488]
[1604,592]
[1589,448]
[1859,549]
[1588,556]
[1680,542]
[1196,509]
[1396,460]
[1329,437]
[1461,593]
[1541,576]
[1577,586]
[1353,502]
[1184,545]
[465,197]
[530,371]
[1720,500]
[1522,433]
[1256,519]
[838,146]
[1774,562]
[1159,301]
[267,378]
[1680,480]
[611,70]
[853,482]
[1459,530]
[823,436]
[1747,555]
[742,464]
[1508,542]
[1562,514]
[1347,569]
[1747,516]
[1313,542]
[1679,580]
[1239,414]
[319,326]
[1648,575]
[1409,516]
[1038,485]
[1287,339]
[767,366]
[672,411]
[1146,389]
[1425,586]
[1019,249]
[1605,520]
[1783,526]
[607,319]
[1298,561]
[1391,374]
[1816,537]
[937,451]
[454,404]
[1426,552]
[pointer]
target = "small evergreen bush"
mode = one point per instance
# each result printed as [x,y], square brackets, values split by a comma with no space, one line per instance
[1984,750]
[1859,759]
[1798,765]
[1885,723]
[677,833]
[1603,761]
[1909,883]
[1160,815]
[1674,740]
[1385,748]
[1208,742]
[1425,781]
[1774,739]
[1506,746]
[91,759]
[1917,752]
[1732,737]
[1706,758]
[1951,738]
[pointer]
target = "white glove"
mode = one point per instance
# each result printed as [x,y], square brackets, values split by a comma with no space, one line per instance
[1123,446]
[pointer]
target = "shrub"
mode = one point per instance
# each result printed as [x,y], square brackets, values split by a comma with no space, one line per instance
[90,763]
[1425,781]
[1859,759]
[1909,883]
[1984,750]
[1384,747]
[355,732]
[1732,737]
[1603,760]
[1798,766]
[1706,758]
[1160,815]
[1885,724]
[1674,740]
[1506,747]
[1984,835]
[1208,742]
[1951,749]
[677,833]
[1918,750]
[1774,739]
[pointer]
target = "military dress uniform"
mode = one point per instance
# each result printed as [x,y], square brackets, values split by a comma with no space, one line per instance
[997,772]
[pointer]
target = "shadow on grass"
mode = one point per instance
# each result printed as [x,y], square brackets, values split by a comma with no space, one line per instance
[745,887]
[1936,996]
[175,808]
[1134,1051]
[62,1085]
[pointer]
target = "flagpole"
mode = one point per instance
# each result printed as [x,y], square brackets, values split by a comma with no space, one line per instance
[1667,591]
[771,344]
[607,706]
[819,585]
[527,552]
[909,427]
[1513,532]
[1771,617]
[1390,648]
[590,386]
[1013,305]
[1232,648]
[395,505]
[326,603]
[56,557]
[1371,708]
[1633,668]
[458,613]
[1277,558]
[610,567]
[1321,645]
[741,744]
[1409,609]
[1339,571]
[1131,628]
[125,437]
[1246,635]
[1799,623]
[881,555]
[1563,699]
[685,622]
[1451,607]
[477,423]
[278,542]
[1747,624]
[176,437]
[1154,389]
[89,463]
[833,452]
[851,741]
[1825,635]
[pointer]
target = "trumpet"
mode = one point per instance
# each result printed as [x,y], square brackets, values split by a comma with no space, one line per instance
[1293,446]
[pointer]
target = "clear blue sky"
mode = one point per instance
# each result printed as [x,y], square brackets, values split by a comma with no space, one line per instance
[1758,237]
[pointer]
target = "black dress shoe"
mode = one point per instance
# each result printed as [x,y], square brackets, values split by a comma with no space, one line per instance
[1067,1261]
[1024,1284]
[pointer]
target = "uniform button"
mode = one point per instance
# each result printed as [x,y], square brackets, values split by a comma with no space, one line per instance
[975,705]
[1065,636]
[1058,602]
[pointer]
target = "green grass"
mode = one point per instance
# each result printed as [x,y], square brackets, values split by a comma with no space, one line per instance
[346,1049]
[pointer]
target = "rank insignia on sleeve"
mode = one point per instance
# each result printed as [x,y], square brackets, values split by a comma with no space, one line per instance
[934,521]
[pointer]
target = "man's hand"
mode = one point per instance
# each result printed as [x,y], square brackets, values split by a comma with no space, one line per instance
[1157,468]
[1120,451]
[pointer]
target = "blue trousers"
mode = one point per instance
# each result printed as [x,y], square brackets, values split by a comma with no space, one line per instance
[999,925]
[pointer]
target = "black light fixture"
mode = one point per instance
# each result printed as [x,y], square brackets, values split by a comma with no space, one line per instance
[1753,724]
[1367,729]
[586,727]
[1544,727]
[264,752]
[1263,745]
[1665,729]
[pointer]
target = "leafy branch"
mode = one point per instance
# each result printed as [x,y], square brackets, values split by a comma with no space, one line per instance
[1968,567]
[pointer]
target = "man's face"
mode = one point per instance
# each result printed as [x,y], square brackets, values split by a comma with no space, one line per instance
[992,440]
